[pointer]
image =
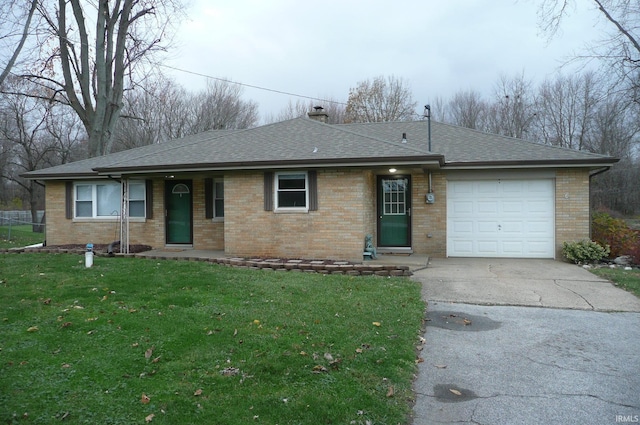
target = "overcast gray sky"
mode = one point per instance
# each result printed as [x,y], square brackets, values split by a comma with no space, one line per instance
[322,48]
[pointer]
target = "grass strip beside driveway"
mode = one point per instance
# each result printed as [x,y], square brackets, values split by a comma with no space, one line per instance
[145,341]
[625,279]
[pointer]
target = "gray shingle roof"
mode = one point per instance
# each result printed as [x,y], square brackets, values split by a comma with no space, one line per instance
[306,142]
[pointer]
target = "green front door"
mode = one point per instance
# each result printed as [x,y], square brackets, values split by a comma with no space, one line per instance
[178,214]
[394,211]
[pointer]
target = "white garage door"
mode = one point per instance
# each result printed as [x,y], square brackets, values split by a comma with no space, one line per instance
[501,218]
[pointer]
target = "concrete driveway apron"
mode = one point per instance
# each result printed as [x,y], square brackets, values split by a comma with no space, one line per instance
[526,342]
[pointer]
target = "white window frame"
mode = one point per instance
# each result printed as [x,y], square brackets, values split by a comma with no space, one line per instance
[276,191]
[94,200]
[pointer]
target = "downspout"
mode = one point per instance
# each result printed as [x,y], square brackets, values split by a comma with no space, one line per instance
[602,170]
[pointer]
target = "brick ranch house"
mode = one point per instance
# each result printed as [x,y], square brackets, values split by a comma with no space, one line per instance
[306,189]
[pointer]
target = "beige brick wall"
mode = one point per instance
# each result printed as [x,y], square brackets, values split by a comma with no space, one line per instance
[572,207]
[335,231]
[62,231]
[429,221]
[346,213]
[207,233]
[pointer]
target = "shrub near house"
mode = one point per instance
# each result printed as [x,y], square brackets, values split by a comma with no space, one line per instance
[615,233]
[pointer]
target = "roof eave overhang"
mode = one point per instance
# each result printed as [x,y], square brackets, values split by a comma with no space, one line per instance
[63,176]
[430,160]
[479,165]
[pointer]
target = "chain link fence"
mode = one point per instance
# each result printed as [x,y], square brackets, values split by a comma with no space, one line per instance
[9,219]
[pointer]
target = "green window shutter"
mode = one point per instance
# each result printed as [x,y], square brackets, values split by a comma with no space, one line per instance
[268,191]
[313,190]
[208,198]
[68,200]
[148,192]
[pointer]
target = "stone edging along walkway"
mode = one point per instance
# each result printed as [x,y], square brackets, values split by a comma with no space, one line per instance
[305,266]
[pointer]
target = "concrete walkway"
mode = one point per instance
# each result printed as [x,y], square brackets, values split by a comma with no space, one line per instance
[535,283]
[526,342]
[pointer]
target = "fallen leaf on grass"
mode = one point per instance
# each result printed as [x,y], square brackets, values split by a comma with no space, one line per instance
[148,353]
[33,329]
[66,324]
[149,418]
[456,392]
[156,360]
[230,371]
[145,399]
[198,392]
[328,357]
[47,301]
[319,369]
[390,391]
[377,324]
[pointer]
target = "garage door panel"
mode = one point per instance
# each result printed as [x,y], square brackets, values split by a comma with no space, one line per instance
[513,207]
[539,247]
[501,218]
[462,228]
[539,206]
[487,247]
[513,248]
[487,207]
[486,227]
[461,207]
[464,247]
[512,228]
[486,188]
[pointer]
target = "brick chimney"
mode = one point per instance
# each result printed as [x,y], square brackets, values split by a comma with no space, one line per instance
[318,114]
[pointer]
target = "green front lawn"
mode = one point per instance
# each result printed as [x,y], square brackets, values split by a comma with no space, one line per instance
[626,279]
[174,342]
[19,236]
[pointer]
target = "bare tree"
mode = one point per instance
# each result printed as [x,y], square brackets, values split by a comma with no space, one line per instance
[512,111]
[220,107]
[89,68]
[16,22]
[24,133]
[565,109]
[160,109]
[380,99]
[620,50]
[467,109]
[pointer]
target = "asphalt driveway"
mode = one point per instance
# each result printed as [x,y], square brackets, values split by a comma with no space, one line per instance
[526,342]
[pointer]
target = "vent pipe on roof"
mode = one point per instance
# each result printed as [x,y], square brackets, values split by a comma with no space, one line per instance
[319,115]
[427,114]
[404,137]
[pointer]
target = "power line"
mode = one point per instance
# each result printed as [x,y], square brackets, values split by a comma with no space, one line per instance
[251,86]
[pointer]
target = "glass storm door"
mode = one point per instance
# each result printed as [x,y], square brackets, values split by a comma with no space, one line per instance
[178,211]
[394,211]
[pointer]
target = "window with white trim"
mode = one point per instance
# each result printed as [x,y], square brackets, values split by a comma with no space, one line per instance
[291,191]
[101,200]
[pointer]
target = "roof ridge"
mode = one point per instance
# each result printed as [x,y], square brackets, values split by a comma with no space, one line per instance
[390,142]
[518,139]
